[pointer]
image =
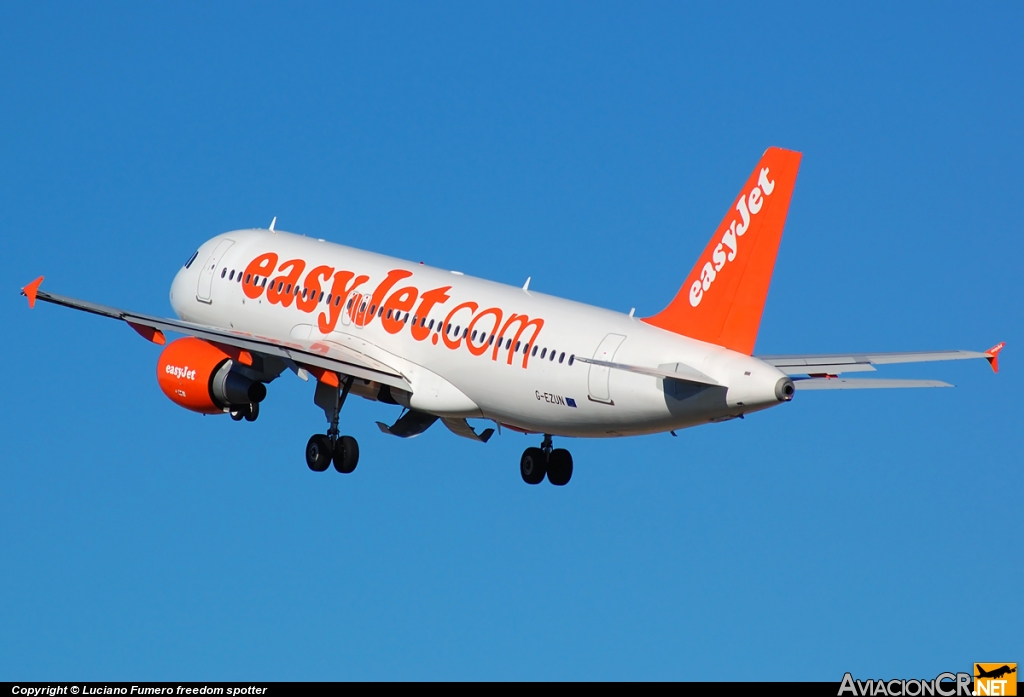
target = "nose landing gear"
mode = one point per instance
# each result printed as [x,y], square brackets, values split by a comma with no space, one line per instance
[556,463]
[322,449]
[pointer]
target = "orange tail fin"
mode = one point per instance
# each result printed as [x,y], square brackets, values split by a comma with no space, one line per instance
[723,297]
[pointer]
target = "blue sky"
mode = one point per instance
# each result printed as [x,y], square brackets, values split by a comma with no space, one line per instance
[594,147]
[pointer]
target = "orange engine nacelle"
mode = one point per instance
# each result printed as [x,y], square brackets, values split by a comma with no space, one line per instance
[197,375]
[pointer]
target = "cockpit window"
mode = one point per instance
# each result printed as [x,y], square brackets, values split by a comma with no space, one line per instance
[191,258]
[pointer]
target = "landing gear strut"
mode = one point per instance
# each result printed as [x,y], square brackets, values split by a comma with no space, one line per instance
[556,463]
[322,449]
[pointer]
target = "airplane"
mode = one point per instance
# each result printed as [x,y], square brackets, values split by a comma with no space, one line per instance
[994,673]
[252,304]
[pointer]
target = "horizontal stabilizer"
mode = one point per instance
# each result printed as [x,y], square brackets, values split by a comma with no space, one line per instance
[461,427]
[682,372]
[862,384]
[838,363]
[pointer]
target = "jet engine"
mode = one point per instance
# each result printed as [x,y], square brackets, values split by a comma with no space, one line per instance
[201,377]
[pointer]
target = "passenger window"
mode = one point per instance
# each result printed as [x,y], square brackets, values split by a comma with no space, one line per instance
[264,283]
[490,342]
[543,352]
[474,335]
[561,357]
[373,310]
[337,300]
[350,301]
[389,314]
[508,344]
[534,350]
[572,358]
[431,327]
[518,344]
[288,289]
[247,279]
[224,272]
[552,356]
[232,276]
[321,298]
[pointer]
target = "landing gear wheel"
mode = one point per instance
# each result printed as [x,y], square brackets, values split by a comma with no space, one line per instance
[318,453]
[236,415]
[253,413]
[533,465]
[346,454]
[559,467]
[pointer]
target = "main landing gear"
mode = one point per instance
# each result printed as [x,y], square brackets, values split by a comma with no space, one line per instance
[322,449]
[250,412]
[555,463]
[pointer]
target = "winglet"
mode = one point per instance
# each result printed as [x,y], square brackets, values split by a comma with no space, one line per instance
[992,356]
[30,291]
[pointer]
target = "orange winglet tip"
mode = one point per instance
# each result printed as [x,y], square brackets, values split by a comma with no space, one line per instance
[30,291]
[149,333]
[328,377]
[992,356]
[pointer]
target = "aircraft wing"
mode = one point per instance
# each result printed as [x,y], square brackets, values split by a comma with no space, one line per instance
[824,365]
[314,355]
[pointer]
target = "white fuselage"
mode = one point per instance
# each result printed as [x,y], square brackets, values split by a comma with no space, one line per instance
[533,388]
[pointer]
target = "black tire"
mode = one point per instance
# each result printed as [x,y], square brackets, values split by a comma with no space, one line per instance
[346,454]
[253,413]
[236,415]
[533,465]
[318,453]
[560,467]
